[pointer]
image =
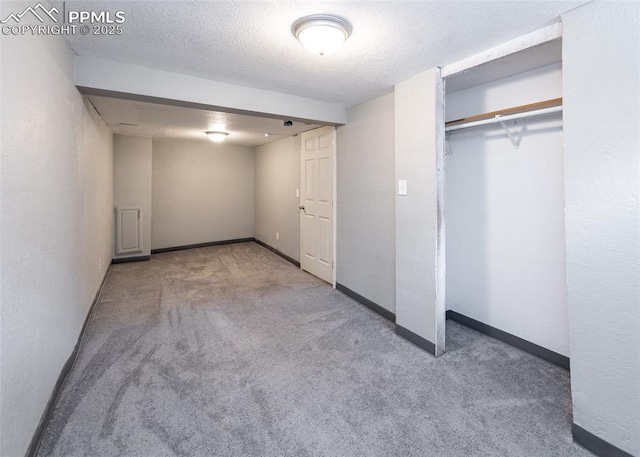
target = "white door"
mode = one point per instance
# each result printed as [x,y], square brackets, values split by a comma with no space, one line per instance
[316,203]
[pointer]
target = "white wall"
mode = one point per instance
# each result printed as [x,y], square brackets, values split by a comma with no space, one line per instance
[132,182]
[277,177]
[601,130]
[505,213]
[419,121]
[366,201]
[56,223]
[121,78]
[201,192]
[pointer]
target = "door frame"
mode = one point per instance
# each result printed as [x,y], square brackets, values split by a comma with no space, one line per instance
[334,206]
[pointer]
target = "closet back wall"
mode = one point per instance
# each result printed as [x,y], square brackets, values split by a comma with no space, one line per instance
[201,192]
[505,213]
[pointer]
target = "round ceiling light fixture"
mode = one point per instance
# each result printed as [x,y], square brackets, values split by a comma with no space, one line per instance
[217,137]
[321,33]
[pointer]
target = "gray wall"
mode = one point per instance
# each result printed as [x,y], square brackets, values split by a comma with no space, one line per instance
[366,201]
[132,182]
[201,192]
[56,223]
[505,213]
[601,82]
[277,177]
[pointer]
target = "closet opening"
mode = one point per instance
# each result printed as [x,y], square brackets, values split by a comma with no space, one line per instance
[504,201]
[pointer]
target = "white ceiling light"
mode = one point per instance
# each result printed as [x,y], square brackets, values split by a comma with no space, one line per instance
[217,137]
[321,33]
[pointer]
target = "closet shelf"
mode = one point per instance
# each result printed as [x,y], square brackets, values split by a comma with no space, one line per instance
[516,112]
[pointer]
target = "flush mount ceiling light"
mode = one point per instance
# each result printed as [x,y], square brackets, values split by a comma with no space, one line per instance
[321,33]
[217,137]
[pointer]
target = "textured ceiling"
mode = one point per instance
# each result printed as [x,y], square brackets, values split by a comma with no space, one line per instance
[163,122]
[250,43]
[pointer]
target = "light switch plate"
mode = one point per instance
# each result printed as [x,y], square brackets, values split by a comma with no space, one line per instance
[402,187]
[298,193]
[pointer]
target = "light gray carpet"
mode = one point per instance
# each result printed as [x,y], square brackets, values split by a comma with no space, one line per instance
[232,351]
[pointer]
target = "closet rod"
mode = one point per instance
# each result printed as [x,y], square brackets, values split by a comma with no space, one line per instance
[531,107]
[499,118]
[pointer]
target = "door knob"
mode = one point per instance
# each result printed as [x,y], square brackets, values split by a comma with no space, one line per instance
[303,209]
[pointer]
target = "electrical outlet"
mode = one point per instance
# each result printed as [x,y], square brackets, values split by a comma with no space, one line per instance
[99,265]
[277,236]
